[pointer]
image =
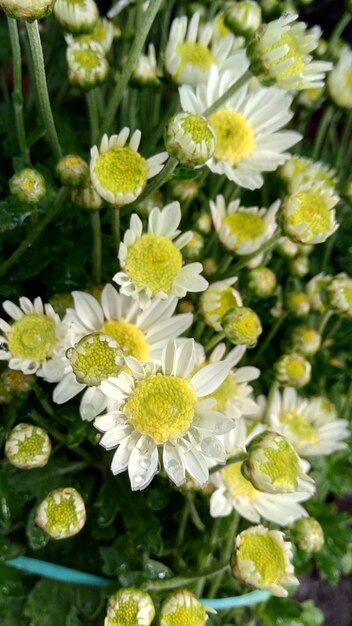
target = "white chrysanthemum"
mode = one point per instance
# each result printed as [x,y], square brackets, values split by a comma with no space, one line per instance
[247,127]
[299,171]
[243,230]
[139,334]
[62,513]
[311,430]
[76,16]
[27,446]
[118,172]
[234,491]
[151,262]
[282,50]
[192,51]
[183,608]
[103,34]
[146,70]
[219,298]
[34,338]
[340,80]
[87,65]
[130,607]
[163,408]
[234,397]
[262,559]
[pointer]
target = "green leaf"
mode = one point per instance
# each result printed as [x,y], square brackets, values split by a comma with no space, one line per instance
[52,603]
[284,612]
[37,538]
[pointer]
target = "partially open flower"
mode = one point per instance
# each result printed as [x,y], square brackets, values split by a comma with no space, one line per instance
[339,293]
[242,326]
[293,369]
[72,171]
[262,559]
[217,300]
[87,65]
[315,288]
[243,17]
[273,465]
[306,340]
[308,535]
[146,70]
[28,186]
[190,139]
[62,513]
[308,216]
[103,34]
[261,282]
[28,446]
[297,303]
[340,81]
[182,608]
[77,16]
[28,10]
[130,607]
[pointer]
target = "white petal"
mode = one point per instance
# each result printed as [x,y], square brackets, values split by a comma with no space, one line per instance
[210,378]
[67,388]
[93,402]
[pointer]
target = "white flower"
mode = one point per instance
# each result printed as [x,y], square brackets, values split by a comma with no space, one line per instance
[76,16]
[249,139]
[183,608]
[192,50]
[152,264]
[234,491]
[146,70]
[118,172]
[130,607]
[340,80]
[87,65]
[243,230]
[139,334]
[163,408]
[62,513]
[103,33]
[34,338]
[312,430]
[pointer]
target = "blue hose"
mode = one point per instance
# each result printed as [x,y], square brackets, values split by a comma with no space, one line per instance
[68,575]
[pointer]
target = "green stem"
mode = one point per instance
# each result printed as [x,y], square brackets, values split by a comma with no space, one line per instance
[228,550]
[35,232]
[324,321]
[344,141]
[97,248]
[338,30]
[228,93]
[41,86]
[93,114]
[232,459]
[194,515]
[135,51]
[183,525]
[181,581]
[270,336]
[322,130]
[115,227]
[212,544]
[17,94]
[154,184]
[214,341]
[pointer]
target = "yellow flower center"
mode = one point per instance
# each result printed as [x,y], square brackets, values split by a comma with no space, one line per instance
[88,59]
[224,393]
[130,338]
[31,447]
[195,54]
[61,514]
[153,262]
[236,484]
[246,226]
[32,337]
[126,614]
[235,137]
[295,369]
[198,127]
[294,55]
[282,465]
[312,210]
[244,327]
[300,427]
[121,170]
[187,615]
[161,407]
[266,555]
[226,300]
[348,295]
[94,358]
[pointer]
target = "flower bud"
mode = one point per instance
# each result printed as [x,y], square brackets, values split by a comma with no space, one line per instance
[243,17]
[273,465]
[130,607]
[297,303]
[315,289]
[28,10]
[293,370]
[72,171]
[190,139]
[262,559]
[204,223]
[261,282]
[286,247]
[77,16]
[242,326]
[339,294]
[87,199]
[146,70]
[217,300]
[184,190]
[16,383]
[87,65]
[28,186]
[308,534]
[182,607]
[27,446]
[299,266]
[308,215]
[305,340]
[62,513]
[194,248]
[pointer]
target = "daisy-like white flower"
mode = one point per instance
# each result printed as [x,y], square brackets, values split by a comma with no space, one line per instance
[62,513]
[281,49]
[130,607]
[190,139]
[35,337]
[139,334]
[103,34]
[299,171]
[146,70]
[118,172]
[151,262]
[163,408]
[76,16]
[311,429]
[243,230]
[262,559]
[27,446]
[340,80]
[183,607]
[247,127]
[234,491]
[234,397]
[192,51]
[87,65]
[219,298]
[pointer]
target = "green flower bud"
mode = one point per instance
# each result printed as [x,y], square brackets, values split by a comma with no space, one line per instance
[190,139]
[16,383]
[244,17]
[182,607]
[308,534]
[73,171]
[293,370]
[28,10]
[299,266]
[27,446]
[297,303]
[204,223]
[87,65]
[87,199]
[184,190]
[242,326]
[306,340]
[62,513]
[28,186]
[261,282]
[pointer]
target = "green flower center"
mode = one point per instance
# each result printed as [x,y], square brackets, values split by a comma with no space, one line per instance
[121,170]
[300,427]
[246,226]
[161,407]
[198,127]
[61,514]
[88,59]
[31,447]
[235,137]
[236,484]
[194,615]
[312,210]
[130,338]
[32,337]
[94,358]
[153,262]
[282,465]
[266,555]
[126,614]
[295,369]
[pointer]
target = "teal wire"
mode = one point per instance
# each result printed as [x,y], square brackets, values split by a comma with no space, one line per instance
[68,575]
